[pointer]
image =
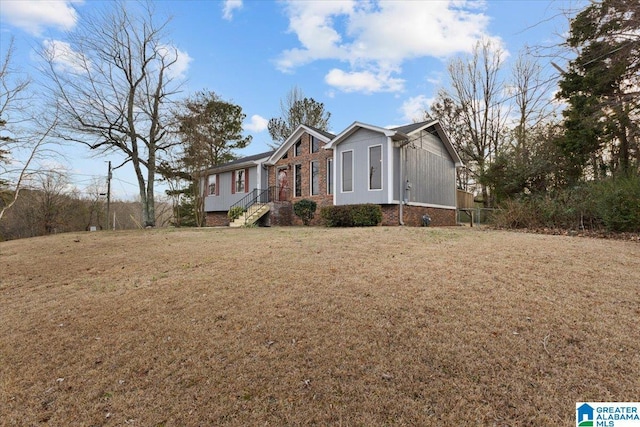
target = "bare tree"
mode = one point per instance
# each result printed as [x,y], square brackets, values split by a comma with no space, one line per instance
[472,112]
[532,101]
[94,205]
[22,137]
[51,201]
[113,84]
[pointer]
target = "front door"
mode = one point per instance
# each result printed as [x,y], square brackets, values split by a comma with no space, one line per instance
[282,179]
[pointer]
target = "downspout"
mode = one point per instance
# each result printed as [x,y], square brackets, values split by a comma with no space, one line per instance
[401,181]
[401,184]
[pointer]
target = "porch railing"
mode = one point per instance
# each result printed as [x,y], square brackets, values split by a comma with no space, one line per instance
[271,194]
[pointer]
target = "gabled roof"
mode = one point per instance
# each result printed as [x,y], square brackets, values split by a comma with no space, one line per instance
[401,133]
[241,162]
[435,124]
[392,133]
[412,127]
[294,137]
[328,135]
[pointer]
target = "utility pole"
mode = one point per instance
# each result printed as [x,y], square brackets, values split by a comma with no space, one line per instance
[108,194]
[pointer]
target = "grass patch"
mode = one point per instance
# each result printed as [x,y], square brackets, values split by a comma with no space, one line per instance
[315,326]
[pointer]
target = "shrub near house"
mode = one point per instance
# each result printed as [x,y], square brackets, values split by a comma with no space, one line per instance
[305,209]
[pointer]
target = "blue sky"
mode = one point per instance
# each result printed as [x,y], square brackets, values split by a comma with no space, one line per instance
[375,62]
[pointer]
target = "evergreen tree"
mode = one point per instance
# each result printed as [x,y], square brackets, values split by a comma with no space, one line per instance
[209,129]
[297,110]
[601,88]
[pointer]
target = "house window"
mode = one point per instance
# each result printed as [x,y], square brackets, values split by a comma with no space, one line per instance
[375,167]
[347,171]
[297,148]
[329,176]
[314,144]
[213,185]
[315,178]
[240,181]
[298,181]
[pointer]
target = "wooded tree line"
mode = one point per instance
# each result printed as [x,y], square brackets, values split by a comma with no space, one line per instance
[113,87]
[572,160]
[52,205]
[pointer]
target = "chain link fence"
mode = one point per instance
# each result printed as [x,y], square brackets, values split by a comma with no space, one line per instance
[476,217]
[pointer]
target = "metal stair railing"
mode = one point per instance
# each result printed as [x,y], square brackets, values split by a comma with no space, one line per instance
[255,196]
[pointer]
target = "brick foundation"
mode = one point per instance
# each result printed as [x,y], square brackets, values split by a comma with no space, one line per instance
[217,219]
[412,215]
[280,213]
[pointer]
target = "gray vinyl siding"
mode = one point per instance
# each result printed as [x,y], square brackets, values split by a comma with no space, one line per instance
[264,178]
[359,142]
[430,171]
[396,173]
[225,199]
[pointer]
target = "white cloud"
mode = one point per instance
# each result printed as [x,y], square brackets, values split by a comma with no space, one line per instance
[257,124]
[413,108]
[179,68]
[65,58]
[229,7]
[363,81]
[34,16]
[380,35]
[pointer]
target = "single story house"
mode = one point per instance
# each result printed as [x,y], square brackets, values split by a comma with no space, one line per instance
[410,171]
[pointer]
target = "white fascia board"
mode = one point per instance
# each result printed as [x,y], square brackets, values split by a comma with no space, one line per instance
[300,130]
[430,205]
[235,166]
[359,125]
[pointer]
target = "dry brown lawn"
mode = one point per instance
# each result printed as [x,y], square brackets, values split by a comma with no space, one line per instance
[315,326]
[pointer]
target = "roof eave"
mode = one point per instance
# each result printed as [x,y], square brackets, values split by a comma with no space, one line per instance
[300,130]
[235,166]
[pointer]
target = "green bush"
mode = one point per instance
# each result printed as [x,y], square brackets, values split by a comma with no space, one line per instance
[617,203]
[352,215]
[305,209]
[612,204]
[235,213]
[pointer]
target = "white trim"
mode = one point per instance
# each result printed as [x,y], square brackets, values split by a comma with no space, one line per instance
[358,125]
[329,159]
[390,170]
[297,134]
[342,169]
[429,205]
[259,177]
[235,166]
[369,147]
[334,155]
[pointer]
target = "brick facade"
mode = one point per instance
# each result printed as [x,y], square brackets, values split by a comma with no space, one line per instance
[280,213]
[217,219]
[288,164]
